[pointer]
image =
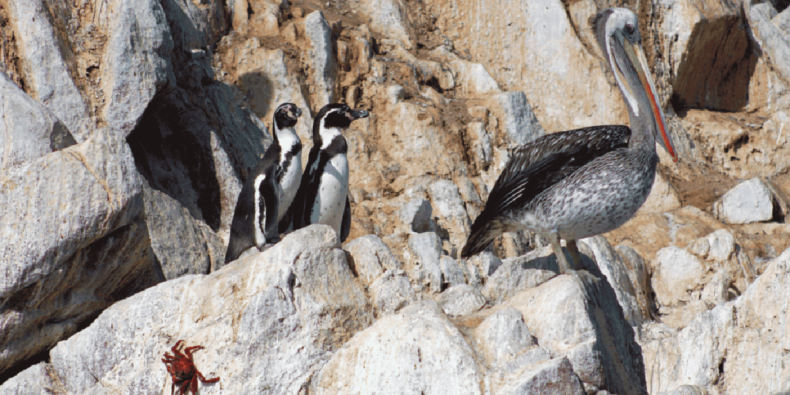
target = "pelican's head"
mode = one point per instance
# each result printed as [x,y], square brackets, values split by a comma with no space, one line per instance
[617,30]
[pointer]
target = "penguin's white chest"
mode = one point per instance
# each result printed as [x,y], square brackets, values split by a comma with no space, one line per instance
[289,184]
[332,190]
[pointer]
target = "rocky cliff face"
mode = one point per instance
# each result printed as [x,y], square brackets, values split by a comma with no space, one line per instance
[129,126]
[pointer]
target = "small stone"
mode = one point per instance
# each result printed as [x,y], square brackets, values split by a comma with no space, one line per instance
[461,300]
[722,245]
[749,201]
[503,336]
[392,291]
[677,273]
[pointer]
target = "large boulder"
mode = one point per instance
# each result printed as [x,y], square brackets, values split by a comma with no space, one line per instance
[270,320]
[74,242]
[737,347]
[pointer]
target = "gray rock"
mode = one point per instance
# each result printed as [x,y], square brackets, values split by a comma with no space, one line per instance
[452,273]
[481,143]
[405,353]
[33,380]
[578,316]
[28,130]
[371,257]
[770,39]
[722,245]
[268,321]
[677,272]
[725,344]
[451,210]
[515,114]
[424,267]
[392,291]
[73,243]
[417,214]
[486,262]
[686,390]
[461,300]
[47,73]
[388,19]
[749,201]
[517,274]
[503,336]
[178,240]
[614,268]
[136,61]
[552,377]
[322,70]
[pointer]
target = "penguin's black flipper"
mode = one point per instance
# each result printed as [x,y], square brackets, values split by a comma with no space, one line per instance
[345,226]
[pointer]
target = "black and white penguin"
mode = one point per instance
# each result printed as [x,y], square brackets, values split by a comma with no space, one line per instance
[269,189]
[323,193]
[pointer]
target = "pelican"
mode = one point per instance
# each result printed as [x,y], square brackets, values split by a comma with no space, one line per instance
[580,183]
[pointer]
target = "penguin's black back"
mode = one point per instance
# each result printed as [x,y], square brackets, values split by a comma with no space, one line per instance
[242,229]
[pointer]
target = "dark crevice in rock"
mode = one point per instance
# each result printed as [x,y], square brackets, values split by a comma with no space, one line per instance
[175,158]
[716,73]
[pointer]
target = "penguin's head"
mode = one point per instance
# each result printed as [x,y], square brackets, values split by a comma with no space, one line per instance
[286,115]
[338,115]
[332,118]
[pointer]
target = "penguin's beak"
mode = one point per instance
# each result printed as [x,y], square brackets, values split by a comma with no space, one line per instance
[296,113]
[356,114]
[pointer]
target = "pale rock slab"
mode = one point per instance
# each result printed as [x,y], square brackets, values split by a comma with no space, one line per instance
[417,351]
[73,243]
[552,377]
[616,271]
[417,214]
[769,37]
[34,380]
[737,348]
[371,257]
[578,316]
[387,18]
[29,130]
[678,272]
[460,300]
[515,117]
[451,210]
[392,291]
[749,201]
[322,71]
[452,272]
[46,71]
[534,48]
[182,244]
[503,336]
[268,321]
[517,274]
[471,78]
[423,263]
[136,62]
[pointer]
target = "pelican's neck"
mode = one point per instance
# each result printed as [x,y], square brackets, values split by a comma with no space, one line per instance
[643,123]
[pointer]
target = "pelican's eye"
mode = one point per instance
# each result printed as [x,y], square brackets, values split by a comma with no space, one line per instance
[629,28]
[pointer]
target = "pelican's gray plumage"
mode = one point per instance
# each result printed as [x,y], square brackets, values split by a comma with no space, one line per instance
[580,183]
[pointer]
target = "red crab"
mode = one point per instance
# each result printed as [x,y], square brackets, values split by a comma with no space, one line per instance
[183,371]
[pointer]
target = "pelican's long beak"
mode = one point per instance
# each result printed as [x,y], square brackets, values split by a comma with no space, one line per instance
[637,58]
